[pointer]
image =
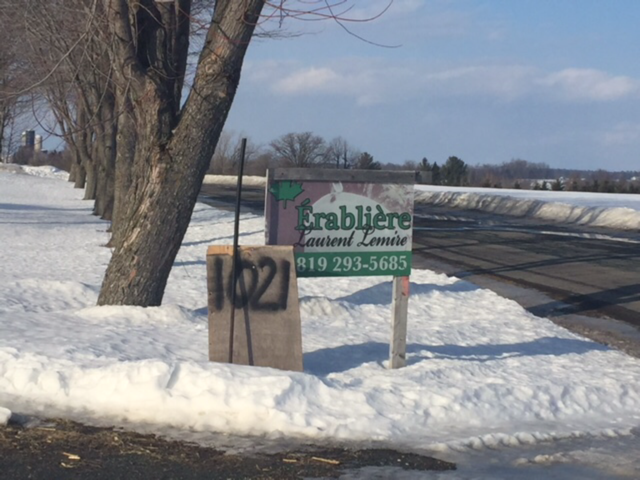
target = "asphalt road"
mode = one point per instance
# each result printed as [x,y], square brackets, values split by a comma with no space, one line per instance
[588,271]
[568,270]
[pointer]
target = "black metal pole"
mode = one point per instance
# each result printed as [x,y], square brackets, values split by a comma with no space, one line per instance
[234,256]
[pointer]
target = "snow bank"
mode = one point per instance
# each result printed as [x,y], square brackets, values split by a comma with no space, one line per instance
[481,370]
[45,171]
[625,218]
[248,180]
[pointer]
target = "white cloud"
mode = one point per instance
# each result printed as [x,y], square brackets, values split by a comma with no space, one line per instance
[590,84]
[366,85]
[370,81]
[309,80]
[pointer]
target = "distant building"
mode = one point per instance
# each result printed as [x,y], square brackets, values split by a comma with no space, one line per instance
[29,139]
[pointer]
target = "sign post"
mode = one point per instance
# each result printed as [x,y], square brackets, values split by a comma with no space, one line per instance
[347,223]
[399,307]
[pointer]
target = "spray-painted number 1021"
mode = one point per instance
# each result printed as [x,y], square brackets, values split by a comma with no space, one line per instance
[262,284]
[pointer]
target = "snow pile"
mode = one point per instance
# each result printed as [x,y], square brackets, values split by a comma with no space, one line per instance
[481,370]
[564,207]
[5,415]
[248,180]
[45,171]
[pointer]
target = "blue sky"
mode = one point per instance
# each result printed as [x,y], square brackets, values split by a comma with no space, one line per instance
[555,81]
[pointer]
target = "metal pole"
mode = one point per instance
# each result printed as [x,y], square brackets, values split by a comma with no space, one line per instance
[234,256]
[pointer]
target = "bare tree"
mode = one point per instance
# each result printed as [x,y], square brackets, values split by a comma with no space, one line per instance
[126,62]
[261,162]
[410,165]
[301,150]
[341,154]
[66,48]
[222,158]
[226,155]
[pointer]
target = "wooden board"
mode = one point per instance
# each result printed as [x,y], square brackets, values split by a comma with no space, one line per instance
[266,319]
[339,175]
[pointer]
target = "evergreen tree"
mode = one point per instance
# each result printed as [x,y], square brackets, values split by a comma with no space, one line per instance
[557,186]
[366,162]
[454,172]
[436,176]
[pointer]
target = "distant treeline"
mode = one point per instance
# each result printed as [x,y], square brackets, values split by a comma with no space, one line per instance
[307,150]
[522,174]
[540,176]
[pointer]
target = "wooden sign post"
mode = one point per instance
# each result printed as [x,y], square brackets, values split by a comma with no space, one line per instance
[264,329]
[399,308]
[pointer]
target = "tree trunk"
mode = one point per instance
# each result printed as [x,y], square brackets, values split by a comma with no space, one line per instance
[73,172]
[106,173]
[91,185]
[3,124]
[77,175]
[110,158]
[83,152]
[104,154]
[171,157]
[81,173]
[98,156]
[125,153]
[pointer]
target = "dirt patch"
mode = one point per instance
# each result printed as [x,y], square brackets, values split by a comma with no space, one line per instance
[65,449]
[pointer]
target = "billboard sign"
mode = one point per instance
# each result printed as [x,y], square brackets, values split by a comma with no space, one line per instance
[342,222]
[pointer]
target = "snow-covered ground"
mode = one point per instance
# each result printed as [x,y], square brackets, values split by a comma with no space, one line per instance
[484,377]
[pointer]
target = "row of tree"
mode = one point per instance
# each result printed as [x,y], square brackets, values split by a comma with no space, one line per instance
[575,184]
[520,173]
[139,90]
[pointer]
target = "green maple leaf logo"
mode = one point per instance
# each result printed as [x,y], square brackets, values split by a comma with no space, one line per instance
[285,191]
